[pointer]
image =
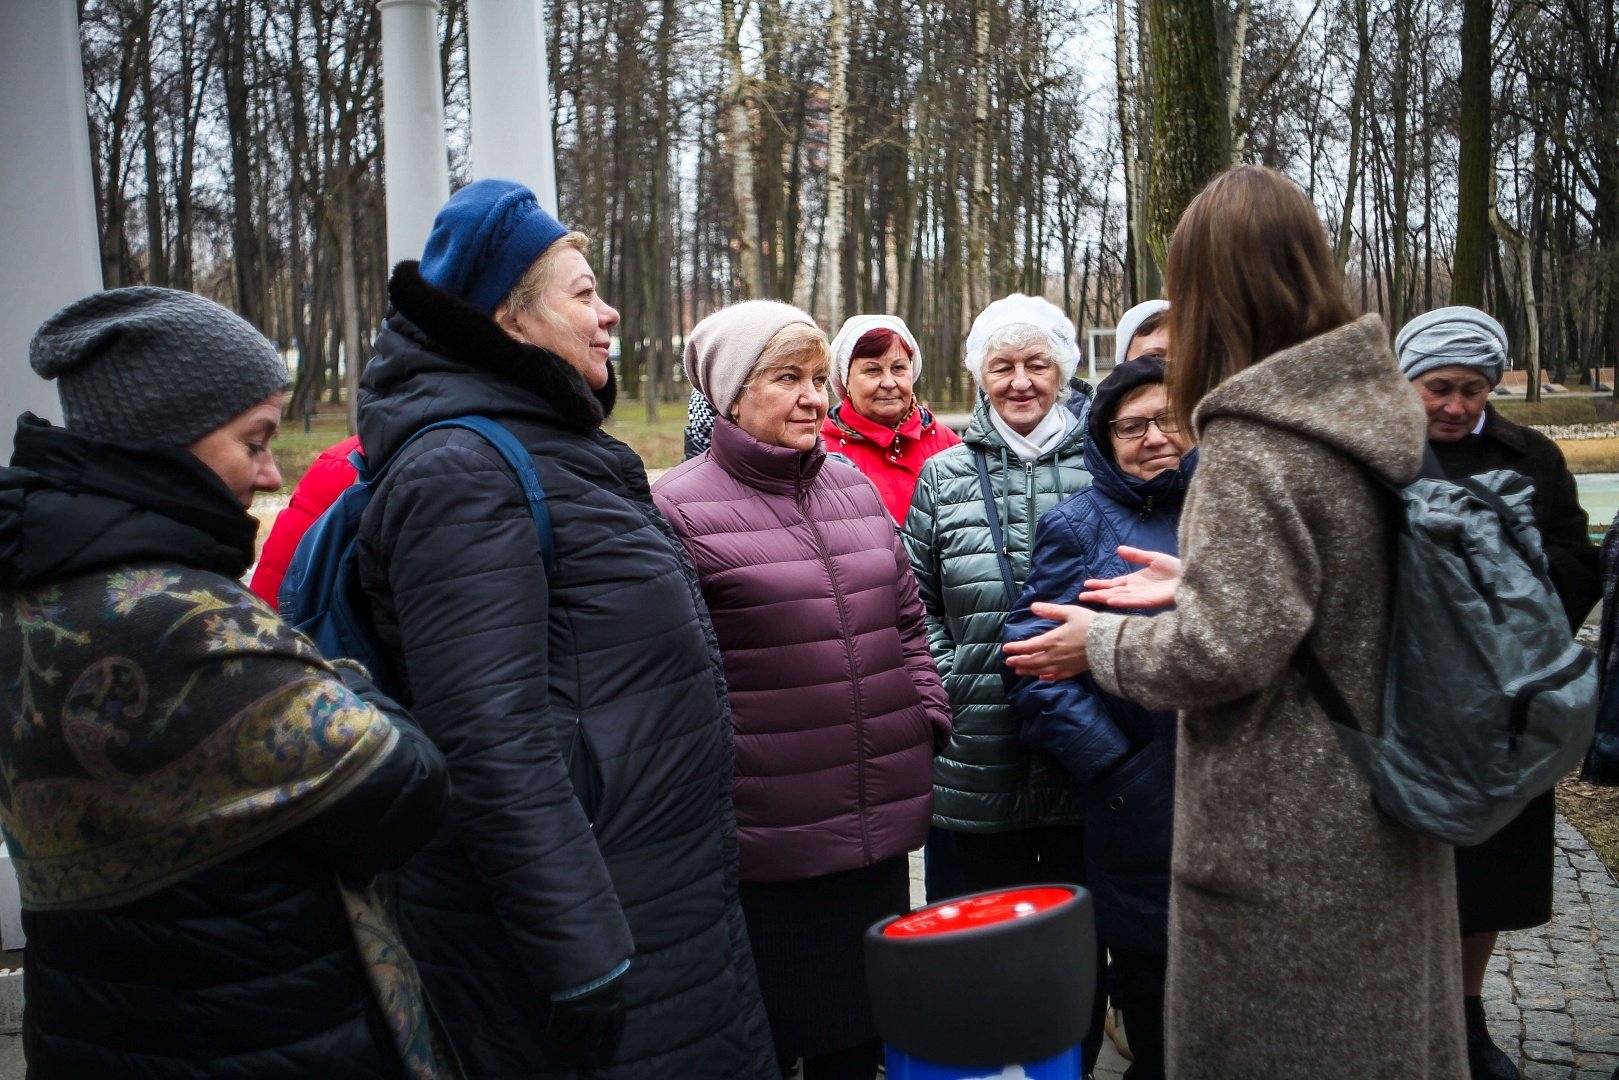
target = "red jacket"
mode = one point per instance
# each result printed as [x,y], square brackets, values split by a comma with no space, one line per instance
[835,699]
[328,476]
[891,459]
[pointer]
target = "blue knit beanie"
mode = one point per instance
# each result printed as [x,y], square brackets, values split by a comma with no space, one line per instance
[483,240]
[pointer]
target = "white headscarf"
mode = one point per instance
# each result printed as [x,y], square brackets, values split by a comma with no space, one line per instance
[1131,323]
[857,327]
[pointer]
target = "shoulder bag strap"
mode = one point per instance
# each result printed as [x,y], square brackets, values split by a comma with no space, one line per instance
[517,458]
[995,527]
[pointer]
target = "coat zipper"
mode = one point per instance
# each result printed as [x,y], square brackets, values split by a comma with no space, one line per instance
[1033,517]
[854,678]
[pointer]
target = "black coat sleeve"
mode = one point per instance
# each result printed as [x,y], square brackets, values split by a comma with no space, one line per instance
[461,567]
[393,812]
[1564,531]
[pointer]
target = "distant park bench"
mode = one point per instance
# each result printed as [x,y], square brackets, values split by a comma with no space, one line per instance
[1517,382]
[1601,378]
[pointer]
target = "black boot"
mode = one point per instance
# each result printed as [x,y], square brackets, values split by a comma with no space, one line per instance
[1485,1060]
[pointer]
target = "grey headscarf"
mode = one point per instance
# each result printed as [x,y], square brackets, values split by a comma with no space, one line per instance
[1449,336]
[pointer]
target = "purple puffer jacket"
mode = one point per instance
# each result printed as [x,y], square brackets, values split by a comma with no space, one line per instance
[834,696]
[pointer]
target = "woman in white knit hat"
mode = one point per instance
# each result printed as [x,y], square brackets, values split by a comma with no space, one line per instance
[1014,811]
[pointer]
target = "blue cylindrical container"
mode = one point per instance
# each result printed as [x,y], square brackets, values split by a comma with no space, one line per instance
[1065,1066]
[991,986]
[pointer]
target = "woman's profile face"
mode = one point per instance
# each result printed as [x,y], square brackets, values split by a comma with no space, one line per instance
[1021,384]
[880,386]
[238,451]
[784,404]
[570,318]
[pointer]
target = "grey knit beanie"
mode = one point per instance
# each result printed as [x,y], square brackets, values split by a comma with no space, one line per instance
[1448,336]
[723,348]
[157,364]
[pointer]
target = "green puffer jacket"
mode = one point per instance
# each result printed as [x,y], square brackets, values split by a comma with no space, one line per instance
[984,781]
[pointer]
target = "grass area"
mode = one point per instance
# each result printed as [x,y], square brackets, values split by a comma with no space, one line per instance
[1595,812]
[1591,455]
[1557,409]
[660,443]
[295,448]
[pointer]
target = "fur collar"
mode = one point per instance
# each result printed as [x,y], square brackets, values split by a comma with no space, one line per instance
[462,332]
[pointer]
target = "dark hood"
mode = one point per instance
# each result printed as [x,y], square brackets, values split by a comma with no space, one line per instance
[71,504]
[439,357]
[1164,491]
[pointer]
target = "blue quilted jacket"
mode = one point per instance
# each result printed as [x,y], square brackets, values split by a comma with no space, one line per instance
[1120,756]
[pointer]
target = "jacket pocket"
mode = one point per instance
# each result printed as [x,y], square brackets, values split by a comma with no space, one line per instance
[585,771]
[1129,813]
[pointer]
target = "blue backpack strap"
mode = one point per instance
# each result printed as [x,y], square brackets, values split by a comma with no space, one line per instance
[517,457]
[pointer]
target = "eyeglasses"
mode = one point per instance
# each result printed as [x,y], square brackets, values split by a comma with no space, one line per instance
[1135,427]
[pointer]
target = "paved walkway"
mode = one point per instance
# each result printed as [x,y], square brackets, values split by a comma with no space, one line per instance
[1550,991]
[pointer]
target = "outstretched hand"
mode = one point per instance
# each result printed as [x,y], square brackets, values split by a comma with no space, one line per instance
[1059,653]
[1150,587]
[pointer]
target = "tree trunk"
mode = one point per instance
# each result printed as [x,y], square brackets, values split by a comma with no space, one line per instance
[978,199]
[1191,132]
[836,134]
[1473,161]
[245,246]
[739,127]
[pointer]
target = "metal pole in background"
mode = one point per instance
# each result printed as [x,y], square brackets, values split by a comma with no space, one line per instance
[417,164]
[48,216]
[511,95]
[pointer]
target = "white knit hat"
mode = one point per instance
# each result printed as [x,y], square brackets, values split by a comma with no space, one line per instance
[1021,310]
[857,327]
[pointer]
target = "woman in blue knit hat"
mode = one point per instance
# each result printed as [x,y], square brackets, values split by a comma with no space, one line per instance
[577,914]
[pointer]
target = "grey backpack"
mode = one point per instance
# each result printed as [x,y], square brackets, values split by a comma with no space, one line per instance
[1488,700]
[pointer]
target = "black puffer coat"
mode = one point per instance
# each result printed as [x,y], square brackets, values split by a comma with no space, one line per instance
[116,579]
[521,895]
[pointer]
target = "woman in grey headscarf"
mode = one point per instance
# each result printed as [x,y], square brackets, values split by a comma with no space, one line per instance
[1454,357]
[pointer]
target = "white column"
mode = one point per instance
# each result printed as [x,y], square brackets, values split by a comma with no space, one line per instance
[511,95]
[51,255]
[417,162]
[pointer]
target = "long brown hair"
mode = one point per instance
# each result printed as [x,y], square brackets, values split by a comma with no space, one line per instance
[1249,273]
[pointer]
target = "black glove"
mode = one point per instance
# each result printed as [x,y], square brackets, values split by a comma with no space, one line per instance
[586,1030]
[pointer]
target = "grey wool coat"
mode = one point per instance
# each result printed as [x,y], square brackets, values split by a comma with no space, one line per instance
[1309,935]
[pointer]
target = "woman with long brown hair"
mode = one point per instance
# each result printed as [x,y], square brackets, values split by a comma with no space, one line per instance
[1299,914]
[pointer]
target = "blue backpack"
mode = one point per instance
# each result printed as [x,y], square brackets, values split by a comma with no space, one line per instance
[321,595]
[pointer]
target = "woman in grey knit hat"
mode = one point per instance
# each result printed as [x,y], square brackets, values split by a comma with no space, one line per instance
[195,800]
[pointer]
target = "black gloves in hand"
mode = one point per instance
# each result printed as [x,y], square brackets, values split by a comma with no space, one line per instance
[585,1030]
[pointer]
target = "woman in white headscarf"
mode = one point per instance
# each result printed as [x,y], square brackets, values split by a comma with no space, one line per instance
[879,425]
